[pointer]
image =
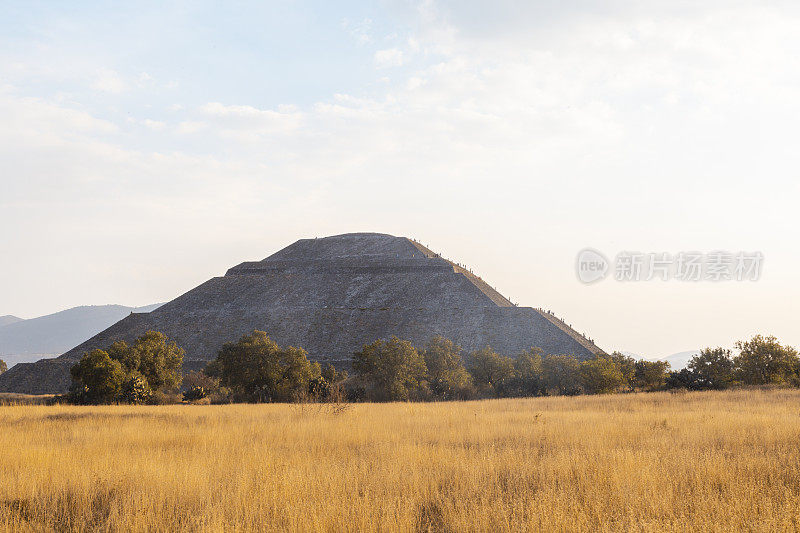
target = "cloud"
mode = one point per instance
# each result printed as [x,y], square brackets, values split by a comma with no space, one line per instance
[514,142]
[109,81]
[391,57]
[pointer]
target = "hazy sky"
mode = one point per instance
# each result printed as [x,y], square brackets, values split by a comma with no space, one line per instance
[145,149]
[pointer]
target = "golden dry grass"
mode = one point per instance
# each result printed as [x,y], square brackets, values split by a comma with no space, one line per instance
[702,461]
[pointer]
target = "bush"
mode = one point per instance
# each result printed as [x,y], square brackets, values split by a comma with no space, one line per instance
[712,368]
[391,370]
[561,374]
[151,355]
[256,369]
[601,375]
[448,378]
[319,389]
[194,394]
[97,378]
[493,374]
[127,373]
[135,390]
[529,379]
[3,366]
[763,361]
[650,375]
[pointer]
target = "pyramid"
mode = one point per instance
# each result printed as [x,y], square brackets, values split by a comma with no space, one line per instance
[330,296]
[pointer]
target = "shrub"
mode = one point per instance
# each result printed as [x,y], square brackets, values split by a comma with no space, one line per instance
[447,376]
[493,374]
[712,368]
[194,394]
[561,374]
[3,366]
[391,370]
[97,378]
[135,390]
[256,369]
[763,360]
[601,375]
[650,375]
[152,356]
[529,379]
[627,367]
[319,389]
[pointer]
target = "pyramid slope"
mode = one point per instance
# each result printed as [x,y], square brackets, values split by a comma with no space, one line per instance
[331,296]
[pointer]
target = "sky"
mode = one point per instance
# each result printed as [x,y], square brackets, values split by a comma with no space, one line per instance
[146,148]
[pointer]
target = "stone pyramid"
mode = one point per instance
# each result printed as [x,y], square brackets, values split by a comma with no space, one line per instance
[330,296]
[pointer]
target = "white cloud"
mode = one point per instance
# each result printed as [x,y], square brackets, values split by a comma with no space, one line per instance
[391,57]
[514,140]
[109,81]
[156,125]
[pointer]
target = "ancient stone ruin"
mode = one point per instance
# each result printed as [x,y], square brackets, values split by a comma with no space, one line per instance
[330,296]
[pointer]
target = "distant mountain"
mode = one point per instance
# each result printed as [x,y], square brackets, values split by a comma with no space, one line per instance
[30,340]
[679,360]
[8,319]
[676,361]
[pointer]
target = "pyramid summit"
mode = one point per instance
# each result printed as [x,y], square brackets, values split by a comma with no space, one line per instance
[330,296]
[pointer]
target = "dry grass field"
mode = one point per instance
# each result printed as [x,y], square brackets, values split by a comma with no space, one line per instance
[647,462]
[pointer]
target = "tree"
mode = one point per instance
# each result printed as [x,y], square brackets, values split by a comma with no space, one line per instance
[256,369]
[492,373]
[529,374]
[712,368]
[627,367]
[681,379]
[156,359]
[763,360]
[3,366]
[561,374]
[391,370]
[446,373]
[601,375]
[97,378]
[650,375]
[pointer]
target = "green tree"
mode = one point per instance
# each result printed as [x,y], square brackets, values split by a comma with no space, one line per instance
[561,374]
[651,375]
[529,373]
[3,366]
[763,360]
[446,373]
[682,379]
[712,368]
[601,375]
[256,369]
[492,373]
[391,370]
[97,378]
[156,359]
[627,367]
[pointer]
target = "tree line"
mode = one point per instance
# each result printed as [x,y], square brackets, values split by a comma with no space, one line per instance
[256,369]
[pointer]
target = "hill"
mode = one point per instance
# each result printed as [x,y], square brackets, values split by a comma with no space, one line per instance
[8,319]
[58,332]
[330,296]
